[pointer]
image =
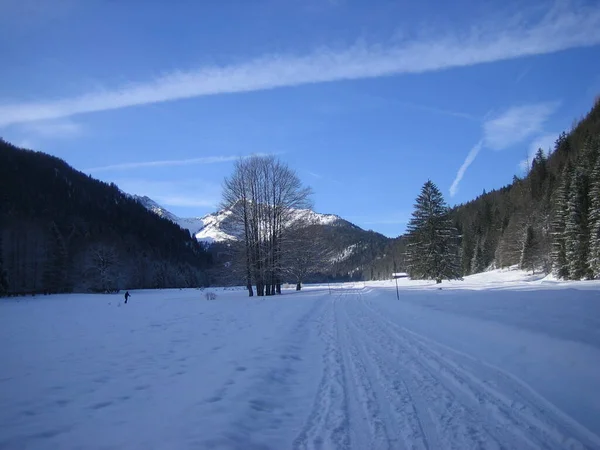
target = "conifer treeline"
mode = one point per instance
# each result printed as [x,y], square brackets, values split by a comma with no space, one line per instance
[62,231]
[548,220]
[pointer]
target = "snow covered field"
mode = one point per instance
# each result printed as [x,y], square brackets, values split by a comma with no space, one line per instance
[500,360]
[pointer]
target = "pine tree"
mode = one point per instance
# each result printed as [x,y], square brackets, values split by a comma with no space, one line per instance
[561,202]
[530,250]
[537,175]
[576,232]
[594,221]
[477,263]
[432,251]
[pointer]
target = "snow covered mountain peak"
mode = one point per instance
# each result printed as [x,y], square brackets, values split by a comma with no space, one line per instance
[151,205]
[219,226]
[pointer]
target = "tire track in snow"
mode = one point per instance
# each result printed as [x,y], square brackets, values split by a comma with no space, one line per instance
[498,400]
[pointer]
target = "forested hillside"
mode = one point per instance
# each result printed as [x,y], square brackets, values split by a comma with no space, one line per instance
[548,220]
[63,231]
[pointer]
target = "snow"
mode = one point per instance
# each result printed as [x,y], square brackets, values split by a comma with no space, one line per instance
[345,254]
[313,218]
[500,360]
[218,227]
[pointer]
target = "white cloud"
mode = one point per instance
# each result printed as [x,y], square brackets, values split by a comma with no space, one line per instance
[516,124]
[170,162]
[512,127]
[465,165]
[185,193]
[163,163]
[558,30]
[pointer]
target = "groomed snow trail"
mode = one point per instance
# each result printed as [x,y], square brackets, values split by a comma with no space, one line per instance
[354,369]
[386,387]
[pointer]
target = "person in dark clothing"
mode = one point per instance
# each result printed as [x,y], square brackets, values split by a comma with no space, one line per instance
[127,295]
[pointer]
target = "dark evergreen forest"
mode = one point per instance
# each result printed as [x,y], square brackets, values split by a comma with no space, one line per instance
[546,221]
[63,231]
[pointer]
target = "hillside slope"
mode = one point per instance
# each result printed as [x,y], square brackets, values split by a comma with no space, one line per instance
[495,224]
[61,230]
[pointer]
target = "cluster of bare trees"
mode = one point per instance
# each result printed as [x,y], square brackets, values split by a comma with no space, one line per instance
[262,194]
[307,253]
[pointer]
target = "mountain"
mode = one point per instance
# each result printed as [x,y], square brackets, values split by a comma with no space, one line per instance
[527,222]
[355,250]
[218,227]
[63,231]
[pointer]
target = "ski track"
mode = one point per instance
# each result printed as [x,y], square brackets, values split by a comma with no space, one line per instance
[332,373]
[403,390]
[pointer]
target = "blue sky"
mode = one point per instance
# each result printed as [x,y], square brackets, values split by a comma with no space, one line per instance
[366,100]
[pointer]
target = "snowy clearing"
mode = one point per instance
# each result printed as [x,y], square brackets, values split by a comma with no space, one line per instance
[501,360]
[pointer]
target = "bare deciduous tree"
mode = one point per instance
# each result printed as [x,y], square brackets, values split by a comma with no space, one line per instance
[102,268]
[307,253]
[262,195]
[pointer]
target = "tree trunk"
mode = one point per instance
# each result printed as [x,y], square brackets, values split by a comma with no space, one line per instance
[438,281]
[250,290]
[298,286]
[278,287]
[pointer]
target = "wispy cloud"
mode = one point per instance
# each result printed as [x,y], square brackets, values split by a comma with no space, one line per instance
[465,165]
[505,130]
[182,193]
[170,162]
[516,124]
[523,74]
[559,29]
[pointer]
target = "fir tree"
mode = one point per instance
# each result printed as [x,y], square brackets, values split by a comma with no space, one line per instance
[576,232]
[561,202]
[594,221]
[530,250]
[432,251]
[477,263]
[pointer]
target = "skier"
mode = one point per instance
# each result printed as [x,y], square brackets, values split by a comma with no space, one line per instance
[127,295]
